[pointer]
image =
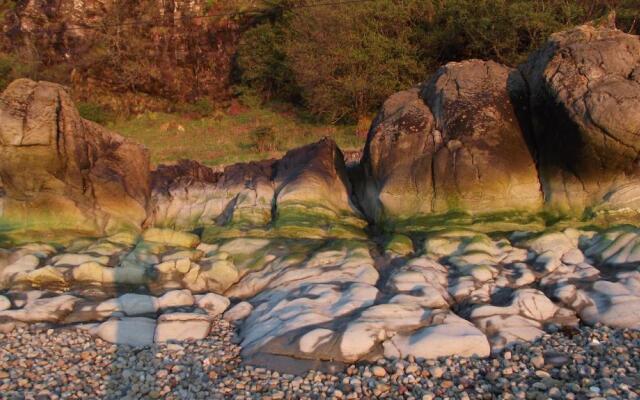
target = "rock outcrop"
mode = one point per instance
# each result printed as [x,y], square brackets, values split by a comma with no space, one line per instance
[58,171]
[584,109]
[305,193]
[189,194]
[453,143]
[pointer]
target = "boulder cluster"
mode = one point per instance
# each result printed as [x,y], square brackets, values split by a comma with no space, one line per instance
[557,134]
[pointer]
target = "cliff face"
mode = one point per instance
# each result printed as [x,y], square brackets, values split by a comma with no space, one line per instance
[128,54]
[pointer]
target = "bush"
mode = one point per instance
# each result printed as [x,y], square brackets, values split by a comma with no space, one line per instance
[502,30]
[262,60]
[341,62]
[94,112]
[12,69]
[369,52]
[263,139]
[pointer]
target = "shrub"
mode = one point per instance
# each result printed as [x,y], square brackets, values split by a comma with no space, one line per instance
[94,112]
[263,139]
[12,69]
[341,62]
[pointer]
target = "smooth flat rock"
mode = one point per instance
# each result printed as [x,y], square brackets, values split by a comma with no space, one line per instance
[176,298]
[136,331]
[213,303]
[448,335]
[51,309]
[182,326]
[238,312]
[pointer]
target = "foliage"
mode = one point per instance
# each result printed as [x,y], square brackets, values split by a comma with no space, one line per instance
[11,68]
[200,108]
[341,62]
[261,58]
[338,73]
[94,112]
[264,139]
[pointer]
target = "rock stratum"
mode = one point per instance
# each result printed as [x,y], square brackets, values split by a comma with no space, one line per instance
[485,211]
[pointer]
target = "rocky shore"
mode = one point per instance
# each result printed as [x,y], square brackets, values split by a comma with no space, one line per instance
[486,245]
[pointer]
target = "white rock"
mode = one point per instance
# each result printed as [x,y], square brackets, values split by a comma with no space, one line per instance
[557,243]
[71,259]
[450,336]
[183,265]
[131,304]
[21,299]
[243,246]
[377,323]
[573,256]
[176,298]
[213,303]
[481,273]
[503,330]
[548,262]
[278,313]
[51,309]
[182,326]
[616,304]
[238,312]
[128,331]
[24,264]
[534,304]
[5,303]
[314,338]
[207,249]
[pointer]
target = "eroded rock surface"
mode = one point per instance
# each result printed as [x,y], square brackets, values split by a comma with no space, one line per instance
[307,193]
[584,99]
[454,142]
[58,171]
[459,292]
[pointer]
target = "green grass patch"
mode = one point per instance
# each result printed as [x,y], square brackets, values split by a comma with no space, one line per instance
[252,134]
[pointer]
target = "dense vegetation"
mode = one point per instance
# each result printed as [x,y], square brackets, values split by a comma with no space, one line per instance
[340,62]
[337,62]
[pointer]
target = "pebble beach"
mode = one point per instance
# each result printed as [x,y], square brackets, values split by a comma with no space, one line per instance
[42,363]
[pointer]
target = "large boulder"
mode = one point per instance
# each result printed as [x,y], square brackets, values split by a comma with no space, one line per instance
[59,171]
[313,193]
[454,143]
[585,113]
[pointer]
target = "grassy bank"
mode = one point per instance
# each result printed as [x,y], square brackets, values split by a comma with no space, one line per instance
[225,138]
